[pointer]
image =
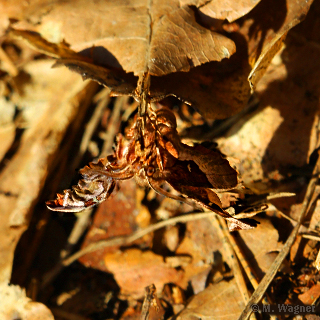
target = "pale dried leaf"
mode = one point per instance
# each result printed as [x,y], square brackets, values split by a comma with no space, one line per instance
[261,245]
[265,29]
[31,10]
[211,303]
[7,127]
[228,9]
[248,141]
[22,179]
[15,304]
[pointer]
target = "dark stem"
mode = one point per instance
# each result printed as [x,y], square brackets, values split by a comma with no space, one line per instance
[143,91]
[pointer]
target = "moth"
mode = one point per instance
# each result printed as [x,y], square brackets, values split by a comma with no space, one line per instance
[152,153]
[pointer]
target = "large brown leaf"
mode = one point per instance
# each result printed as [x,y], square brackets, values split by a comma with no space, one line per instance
[161,38]
[120,36]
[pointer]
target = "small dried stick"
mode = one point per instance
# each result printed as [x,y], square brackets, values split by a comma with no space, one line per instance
[264,284]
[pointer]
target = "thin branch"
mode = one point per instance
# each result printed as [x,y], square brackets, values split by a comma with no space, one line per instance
[222,230]
[89,130]
[264,284]
[121,240]
[127,239]
[113,126]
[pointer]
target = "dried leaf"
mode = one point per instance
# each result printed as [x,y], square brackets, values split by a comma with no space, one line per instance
[16,305]
[164,38]
[310,296]
[134,268]
[197,87]
[200,242]
[38,43]
[217,169]
[48,116]
[275,139]
[229,9]
[7,126]
[265,29]
[217,89]
[111,219]
[261,246]
[178,43]
[211,303]
[118,81]
[19,10]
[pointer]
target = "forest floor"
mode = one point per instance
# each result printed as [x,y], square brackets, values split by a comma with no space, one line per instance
[139,254]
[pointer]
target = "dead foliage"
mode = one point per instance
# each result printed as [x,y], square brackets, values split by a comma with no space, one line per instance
[152,240]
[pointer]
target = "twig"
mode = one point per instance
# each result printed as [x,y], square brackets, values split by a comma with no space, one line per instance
[125,240]
[121,240]
[278,195]
[113,127]
[246,267]
[77,231]
[310,236]
[258,293]
[317,262]
[129,110]
[282,214]
[222,229]
[89,130]
[253,280]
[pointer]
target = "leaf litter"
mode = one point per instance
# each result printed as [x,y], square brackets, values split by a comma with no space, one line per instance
[273,156]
